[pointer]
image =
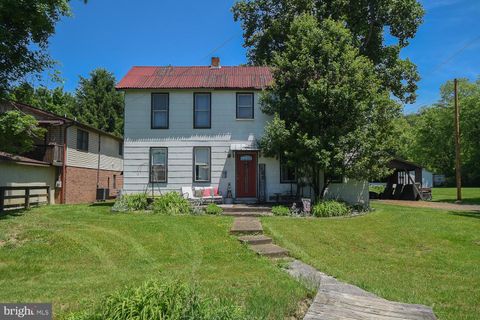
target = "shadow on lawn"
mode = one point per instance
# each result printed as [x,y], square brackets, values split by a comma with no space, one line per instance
[468,214]
[10,214]
[102,204]
[464,201]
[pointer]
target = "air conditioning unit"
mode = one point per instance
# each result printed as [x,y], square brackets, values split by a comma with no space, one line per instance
[103,194]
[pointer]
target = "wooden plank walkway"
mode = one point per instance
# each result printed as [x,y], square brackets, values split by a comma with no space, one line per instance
[335,300]
[339,300]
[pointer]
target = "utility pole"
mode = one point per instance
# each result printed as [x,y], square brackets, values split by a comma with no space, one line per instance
[458,174]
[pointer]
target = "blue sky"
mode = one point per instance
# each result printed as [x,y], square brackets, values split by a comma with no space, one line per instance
[117,34]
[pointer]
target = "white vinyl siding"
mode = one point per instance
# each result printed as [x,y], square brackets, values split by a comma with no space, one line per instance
[109,157]
[181,138]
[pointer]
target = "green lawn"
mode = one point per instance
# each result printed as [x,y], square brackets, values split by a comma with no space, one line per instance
[469,195]
[412,255]
[74,255]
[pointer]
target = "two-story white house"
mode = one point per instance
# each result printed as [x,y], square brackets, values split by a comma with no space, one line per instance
[199,126]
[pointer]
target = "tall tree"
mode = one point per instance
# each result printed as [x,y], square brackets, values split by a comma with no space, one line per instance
[266,24]
[98,103]
[431,141]
[25,27]
[331,113]
[54,100]
[18,132]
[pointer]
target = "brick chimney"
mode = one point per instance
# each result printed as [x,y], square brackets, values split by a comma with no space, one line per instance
[215,63]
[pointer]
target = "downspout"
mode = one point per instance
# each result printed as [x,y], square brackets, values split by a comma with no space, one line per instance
[64,164]
[98,161]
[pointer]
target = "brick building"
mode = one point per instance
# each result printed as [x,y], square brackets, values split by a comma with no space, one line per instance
[85,159]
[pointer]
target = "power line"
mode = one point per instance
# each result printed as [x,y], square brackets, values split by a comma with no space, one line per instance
[220,46]
[455,54]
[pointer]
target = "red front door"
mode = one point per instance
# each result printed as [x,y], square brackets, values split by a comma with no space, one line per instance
[246,174]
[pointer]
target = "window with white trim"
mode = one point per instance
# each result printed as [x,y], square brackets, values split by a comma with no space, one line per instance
[201,164]
[158,164]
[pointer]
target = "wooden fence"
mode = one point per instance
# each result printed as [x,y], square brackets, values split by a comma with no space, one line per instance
[18,199]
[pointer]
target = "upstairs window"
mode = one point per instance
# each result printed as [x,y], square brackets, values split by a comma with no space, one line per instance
[160,111]
[158,164]
[120,148]
[82,140]
[202,106]
[201,164]
[244,105]
[287,173]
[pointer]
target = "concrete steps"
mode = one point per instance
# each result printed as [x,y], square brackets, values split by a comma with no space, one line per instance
[246,214]
[246,226]
[270,250]
[256,239]
[251,232]
[242,210]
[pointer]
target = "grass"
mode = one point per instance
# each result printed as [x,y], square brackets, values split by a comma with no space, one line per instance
[75,255]
[412,255]
[469,195]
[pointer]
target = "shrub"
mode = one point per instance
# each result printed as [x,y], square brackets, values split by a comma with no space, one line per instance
[131,202]
[280,211]
[213,208]
[171,203]
[330,208]
[158,301]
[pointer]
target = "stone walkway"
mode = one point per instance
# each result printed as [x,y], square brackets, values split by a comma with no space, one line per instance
[432,205]
[334,299]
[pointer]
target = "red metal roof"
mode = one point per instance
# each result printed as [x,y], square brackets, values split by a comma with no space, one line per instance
[225,77]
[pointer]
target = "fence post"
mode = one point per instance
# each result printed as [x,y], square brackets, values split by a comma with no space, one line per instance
[2,198]
[48,195]
[27,197]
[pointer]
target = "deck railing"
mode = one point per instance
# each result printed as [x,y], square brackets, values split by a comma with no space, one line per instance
[54,154]
[51,153]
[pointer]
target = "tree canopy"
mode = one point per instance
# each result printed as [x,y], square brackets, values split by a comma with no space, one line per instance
[95,102]
[25,27]
[266,25]
[331,113]
[18,132]
[429,134]
[54,100]
[98,103]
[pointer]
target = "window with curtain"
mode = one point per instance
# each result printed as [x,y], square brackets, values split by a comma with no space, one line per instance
[82,140]
[160,111]
[201,163]
[158,164]
[244,105]
[201,110]
[287,173]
